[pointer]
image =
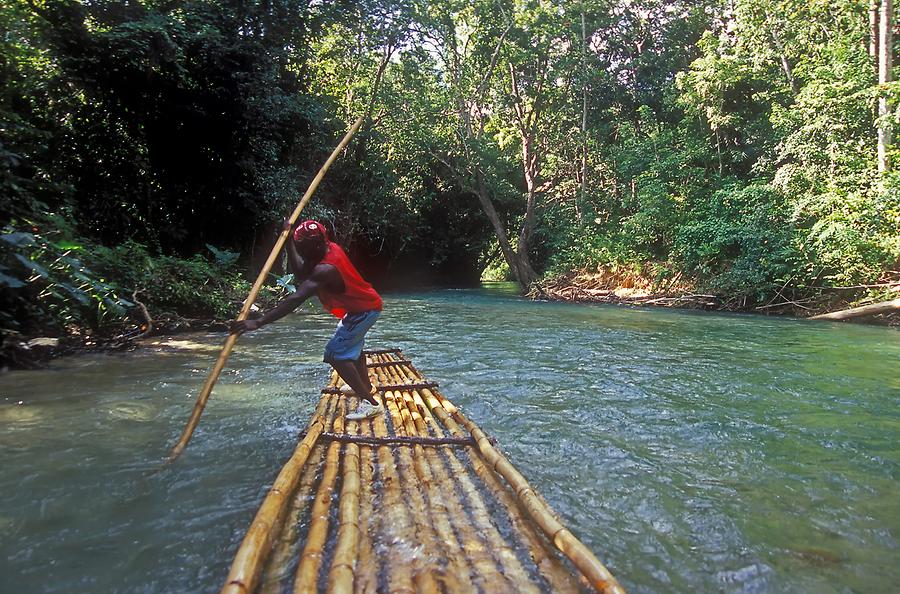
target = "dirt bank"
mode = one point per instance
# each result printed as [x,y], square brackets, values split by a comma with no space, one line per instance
[627,289]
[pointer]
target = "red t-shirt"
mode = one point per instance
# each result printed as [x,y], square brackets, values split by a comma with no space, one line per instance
[358,295]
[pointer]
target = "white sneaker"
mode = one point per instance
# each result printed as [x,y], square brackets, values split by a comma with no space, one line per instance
[346,390]
[366,410]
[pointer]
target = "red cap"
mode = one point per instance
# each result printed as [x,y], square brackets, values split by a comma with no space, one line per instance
[310,230]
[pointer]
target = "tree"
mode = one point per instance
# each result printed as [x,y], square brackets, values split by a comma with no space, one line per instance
[465,46]
[885,62]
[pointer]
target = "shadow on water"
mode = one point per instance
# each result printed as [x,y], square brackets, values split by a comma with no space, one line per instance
[693,451]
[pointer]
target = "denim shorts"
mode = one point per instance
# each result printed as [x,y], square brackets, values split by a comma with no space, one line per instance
[349,338]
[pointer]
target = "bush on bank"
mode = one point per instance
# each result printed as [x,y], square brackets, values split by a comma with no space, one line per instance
[54,282]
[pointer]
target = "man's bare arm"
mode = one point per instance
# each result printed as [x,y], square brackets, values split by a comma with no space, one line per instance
[294,259]
[322,276]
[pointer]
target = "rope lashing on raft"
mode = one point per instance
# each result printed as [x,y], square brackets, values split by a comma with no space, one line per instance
[389,388]
[382,351]
[389,363]
[397,439]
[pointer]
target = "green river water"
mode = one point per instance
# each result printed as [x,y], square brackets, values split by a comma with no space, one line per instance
[692,452]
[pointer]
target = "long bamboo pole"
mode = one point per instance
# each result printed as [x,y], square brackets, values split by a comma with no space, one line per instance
[286,548]
[200,404]
[365,579]
[311,558]
[248,562]
[342,572]
[366,573]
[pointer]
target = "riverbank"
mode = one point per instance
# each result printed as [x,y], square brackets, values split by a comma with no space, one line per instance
[19,351]
[632,290]
[35,351]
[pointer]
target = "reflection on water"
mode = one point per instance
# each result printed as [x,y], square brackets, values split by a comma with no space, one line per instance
[693,451]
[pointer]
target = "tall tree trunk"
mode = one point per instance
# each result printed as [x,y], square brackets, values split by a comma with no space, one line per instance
[884,76]
[873,31]
[530,166]
[785,63]
[487,205]
[584,112]
[527,275]
[471,126]
[527,123]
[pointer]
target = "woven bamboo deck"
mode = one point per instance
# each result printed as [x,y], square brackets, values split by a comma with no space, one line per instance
[416,500]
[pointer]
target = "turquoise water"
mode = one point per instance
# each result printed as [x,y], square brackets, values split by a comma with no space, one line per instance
[691,451]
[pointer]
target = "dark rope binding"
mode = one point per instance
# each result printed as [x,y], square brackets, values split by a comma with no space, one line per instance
[382,351]
[389,388]
[397,439]
[405,362]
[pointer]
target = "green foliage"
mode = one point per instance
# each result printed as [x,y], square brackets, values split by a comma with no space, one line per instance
[169,285]
[173,125]
[755,175]
[52,278]
[48,277]
[495,271]
[739,242]
[146,145]
[286,283]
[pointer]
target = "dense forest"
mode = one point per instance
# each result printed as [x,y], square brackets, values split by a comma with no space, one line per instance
[151,149]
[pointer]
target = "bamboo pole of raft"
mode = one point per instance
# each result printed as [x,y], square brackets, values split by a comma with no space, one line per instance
[287,546]
[485,575]
[423,571]
[442,505]
[510,566]
[200,404]
[311,558]
[366,576]
[443,409]
[396,525]
[581,556]
[455,575]
[342,573]
[557,576]
[476,549]
[248,562]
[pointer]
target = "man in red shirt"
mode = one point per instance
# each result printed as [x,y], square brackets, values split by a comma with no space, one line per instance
[323,269]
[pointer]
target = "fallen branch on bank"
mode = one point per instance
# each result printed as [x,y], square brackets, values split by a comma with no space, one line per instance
[593,290]
[857,312]
[625,288]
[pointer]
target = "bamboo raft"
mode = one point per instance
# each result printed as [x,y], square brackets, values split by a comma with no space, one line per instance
[415,500]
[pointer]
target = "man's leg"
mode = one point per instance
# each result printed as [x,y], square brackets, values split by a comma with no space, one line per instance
[363,370]
[349,373]
[345,353]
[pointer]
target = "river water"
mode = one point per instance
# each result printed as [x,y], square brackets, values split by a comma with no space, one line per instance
[692,451]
